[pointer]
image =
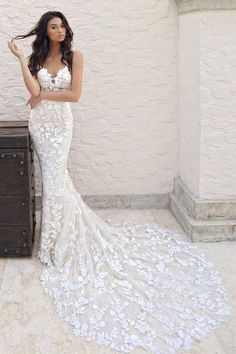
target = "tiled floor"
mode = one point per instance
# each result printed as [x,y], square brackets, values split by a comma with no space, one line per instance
[29,324]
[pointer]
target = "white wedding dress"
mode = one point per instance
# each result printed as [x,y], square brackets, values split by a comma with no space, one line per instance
[123,285]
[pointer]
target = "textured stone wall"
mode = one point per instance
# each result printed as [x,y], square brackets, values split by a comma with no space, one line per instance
[218,104]
[195,5]
[189,100]
[207,103]
[125,124]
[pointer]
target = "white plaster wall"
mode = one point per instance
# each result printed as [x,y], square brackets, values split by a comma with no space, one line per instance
[207,103]
[189,100]
[218,104]
[125,124]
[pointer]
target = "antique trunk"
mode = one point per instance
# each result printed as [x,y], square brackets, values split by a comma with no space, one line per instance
[17,189]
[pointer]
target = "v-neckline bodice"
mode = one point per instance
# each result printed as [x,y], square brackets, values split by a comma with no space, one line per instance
[54,77]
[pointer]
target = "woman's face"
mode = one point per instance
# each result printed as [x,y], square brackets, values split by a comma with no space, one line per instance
[56,30]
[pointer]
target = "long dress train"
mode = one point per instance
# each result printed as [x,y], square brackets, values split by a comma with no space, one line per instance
[124,285]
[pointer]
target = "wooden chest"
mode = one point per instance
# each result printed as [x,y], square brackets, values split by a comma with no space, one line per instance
[17,189]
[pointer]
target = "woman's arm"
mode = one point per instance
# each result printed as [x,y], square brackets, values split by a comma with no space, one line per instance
[72,95]
[30,81]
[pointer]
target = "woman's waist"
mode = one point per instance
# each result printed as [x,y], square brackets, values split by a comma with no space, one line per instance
[52,102]
[47,106]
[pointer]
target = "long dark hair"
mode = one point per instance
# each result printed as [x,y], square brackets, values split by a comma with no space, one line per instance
[41,44]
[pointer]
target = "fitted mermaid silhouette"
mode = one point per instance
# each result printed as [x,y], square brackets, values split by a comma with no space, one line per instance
[124,285]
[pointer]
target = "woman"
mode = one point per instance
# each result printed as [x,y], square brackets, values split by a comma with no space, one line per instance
[124,285]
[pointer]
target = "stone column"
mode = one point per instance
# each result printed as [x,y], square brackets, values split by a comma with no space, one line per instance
[204,194]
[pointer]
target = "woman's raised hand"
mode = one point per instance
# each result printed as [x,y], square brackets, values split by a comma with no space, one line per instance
[15,49]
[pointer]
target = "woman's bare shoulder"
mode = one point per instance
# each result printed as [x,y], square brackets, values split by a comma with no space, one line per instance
[77,53]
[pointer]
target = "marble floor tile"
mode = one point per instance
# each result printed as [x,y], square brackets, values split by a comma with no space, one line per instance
[3,262]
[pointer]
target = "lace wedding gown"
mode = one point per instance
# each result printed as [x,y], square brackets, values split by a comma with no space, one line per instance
[124,285]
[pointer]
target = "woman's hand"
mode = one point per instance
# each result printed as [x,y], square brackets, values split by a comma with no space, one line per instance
[15,49]
[33,100]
